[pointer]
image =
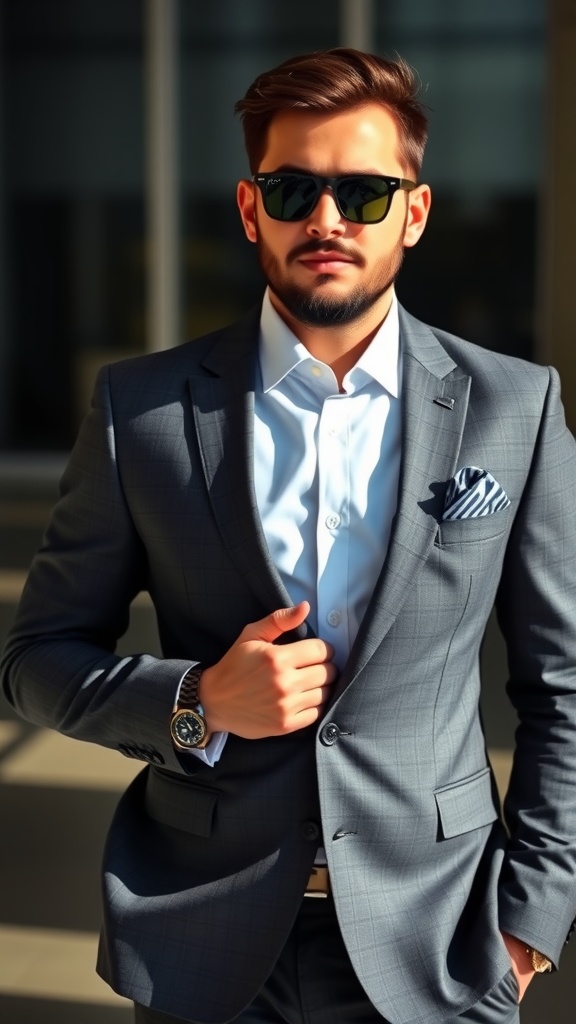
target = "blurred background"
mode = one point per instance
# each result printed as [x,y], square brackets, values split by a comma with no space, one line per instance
[119,155]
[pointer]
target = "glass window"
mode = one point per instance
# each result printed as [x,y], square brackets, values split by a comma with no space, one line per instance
[73,168]
[482,68]
[72,251]
[224,47]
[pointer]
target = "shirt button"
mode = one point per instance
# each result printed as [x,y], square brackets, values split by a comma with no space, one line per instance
[330,733]
[317,370]
[311,831]
[334,618]
[333,521]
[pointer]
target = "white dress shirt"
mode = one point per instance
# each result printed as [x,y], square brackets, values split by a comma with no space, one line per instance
[326,472]
[326,469]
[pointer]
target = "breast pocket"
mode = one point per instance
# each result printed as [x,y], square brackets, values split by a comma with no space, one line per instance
[474,531]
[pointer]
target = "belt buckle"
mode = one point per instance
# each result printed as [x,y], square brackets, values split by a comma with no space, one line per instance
[319,882]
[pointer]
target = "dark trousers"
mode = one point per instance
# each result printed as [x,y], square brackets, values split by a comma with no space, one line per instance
[313,983]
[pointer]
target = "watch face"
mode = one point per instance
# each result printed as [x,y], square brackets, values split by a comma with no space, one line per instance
[188,729]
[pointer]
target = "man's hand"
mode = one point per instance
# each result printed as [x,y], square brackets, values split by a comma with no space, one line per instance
[262,689]
[521,962]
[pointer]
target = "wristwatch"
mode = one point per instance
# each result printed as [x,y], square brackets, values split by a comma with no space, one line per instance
[540,963]
[188,727]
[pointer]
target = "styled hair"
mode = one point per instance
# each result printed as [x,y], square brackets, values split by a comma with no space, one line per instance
[334,81]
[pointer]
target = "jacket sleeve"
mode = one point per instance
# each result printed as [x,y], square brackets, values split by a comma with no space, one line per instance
[536,608]
[59,668]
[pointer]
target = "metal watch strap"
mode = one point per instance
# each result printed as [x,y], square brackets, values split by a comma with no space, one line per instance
[188,695]
[540,963]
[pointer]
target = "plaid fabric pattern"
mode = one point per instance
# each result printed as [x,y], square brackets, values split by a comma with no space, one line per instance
[204,868]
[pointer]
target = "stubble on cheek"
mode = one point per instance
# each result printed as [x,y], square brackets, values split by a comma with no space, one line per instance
[312,305]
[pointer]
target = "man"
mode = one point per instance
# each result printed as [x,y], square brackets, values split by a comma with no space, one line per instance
[324,502]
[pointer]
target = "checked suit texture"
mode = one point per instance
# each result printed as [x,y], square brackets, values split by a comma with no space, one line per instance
[205,868]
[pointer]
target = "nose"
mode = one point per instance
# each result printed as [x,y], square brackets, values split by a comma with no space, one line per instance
[325,221]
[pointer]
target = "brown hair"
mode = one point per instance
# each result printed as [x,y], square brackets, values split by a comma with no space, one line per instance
[334,81]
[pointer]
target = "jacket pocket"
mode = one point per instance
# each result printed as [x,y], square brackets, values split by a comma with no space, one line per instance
[474,530]
[467,804]
[180,804]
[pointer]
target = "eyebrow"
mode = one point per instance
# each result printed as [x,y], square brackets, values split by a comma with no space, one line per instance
[293,169]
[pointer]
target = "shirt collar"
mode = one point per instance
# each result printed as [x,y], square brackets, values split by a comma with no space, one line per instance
[281,352]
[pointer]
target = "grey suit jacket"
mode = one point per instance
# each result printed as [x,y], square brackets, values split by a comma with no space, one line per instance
[204,869]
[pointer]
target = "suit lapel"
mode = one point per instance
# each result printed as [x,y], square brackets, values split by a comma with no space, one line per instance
[223,403]
[435,401]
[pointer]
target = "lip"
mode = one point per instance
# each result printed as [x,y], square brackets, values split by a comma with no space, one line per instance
[325,261]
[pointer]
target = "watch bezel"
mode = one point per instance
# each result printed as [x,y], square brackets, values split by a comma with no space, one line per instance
[198,719]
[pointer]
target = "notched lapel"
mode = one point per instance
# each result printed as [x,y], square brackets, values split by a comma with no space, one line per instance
[431,440]
[223,403]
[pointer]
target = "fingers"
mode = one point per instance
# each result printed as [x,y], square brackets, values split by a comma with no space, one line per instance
[304,653]
[313,699]
[311,711]
[259,688]
[272,626]
[298,654]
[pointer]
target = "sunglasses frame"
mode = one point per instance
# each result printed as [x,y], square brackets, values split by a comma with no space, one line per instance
[322,182]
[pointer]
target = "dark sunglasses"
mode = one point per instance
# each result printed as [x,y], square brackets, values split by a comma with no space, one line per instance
[361,198]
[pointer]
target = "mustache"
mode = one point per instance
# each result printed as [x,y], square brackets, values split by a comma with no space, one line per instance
[314,246]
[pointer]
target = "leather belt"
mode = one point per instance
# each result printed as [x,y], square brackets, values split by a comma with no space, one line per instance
[319,882]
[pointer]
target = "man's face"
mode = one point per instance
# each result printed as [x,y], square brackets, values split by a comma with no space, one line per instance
[325,270]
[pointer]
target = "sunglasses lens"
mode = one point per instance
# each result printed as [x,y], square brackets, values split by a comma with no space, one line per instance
[364,200]
[289,196]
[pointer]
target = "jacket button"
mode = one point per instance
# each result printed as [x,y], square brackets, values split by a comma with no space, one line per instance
[311,831]
[330,733]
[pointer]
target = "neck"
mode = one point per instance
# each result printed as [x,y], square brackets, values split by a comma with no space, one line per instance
[340,346]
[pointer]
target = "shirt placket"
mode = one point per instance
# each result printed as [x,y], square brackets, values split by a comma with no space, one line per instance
[332,528]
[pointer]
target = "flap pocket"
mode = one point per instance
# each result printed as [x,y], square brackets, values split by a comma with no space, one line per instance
[466,805]
[180,804]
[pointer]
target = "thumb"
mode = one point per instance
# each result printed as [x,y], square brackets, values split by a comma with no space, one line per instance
[272,626]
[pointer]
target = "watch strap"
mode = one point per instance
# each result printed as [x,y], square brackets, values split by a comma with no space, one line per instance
[187,696]
[540,963]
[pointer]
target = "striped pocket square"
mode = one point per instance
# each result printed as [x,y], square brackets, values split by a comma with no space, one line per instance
[472,493]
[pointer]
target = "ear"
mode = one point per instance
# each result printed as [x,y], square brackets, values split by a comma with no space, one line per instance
[246,199]
[419,201]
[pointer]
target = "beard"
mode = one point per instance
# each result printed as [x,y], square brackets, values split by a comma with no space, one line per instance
[308,305]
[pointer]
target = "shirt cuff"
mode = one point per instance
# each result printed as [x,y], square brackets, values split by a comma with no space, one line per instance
[212,751]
